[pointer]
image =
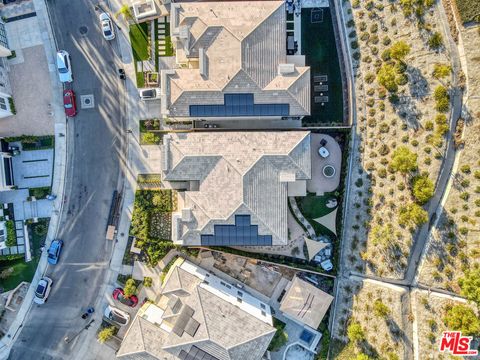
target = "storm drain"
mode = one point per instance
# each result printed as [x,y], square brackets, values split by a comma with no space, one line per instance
[87,101]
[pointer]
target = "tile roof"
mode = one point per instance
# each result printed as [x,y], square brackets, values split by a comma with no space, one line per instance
[239,173]
[224,330]
[244,43]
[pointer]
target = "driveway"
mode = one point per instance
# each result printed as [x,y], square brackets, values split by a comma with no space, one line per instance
[33,169]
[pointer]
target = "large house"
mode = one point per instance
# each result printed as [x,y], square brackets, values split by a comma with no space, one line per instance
[235,185]
[231,62]
[199,316]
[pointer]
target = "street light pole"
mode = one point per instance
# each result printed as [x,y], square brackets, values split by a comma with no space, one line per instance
[68,340]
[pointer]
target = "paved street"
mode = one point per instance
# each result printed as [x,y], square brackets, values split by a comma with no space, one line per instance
[94,149]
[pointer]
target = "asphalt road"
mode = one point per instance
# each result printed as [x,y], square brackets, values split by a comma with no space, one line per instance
[93,168]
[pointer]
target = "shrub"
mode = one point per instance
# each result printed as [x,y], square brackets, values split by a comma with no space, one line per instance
[435,41]
[40,229]
[380,309]
[464,196]
[386,55]
[423,189]
[106,334]
[402,79]
[369,78]
[442,98]
[354,44]
[399,50]
[386,78]
[147,281]
[130,288]
[441,70]
[462,318]
[403,160]
[412,214]
[465,169]
[355,332]
[429,125]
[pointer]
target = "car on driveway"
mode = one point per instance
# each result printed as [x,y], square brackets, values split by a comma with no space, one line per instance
[69,103]
[64,66]
[54,251]
[150,94]
[116,315]
[43,290]
[107,26]
[119,295]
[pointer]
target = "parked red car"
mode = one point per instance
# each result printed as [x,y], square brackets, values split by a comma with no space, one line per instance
[69,103]
[119,295]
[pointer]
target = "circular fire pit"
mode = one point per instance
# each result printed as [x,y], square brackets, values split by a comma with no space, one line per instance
[328,171]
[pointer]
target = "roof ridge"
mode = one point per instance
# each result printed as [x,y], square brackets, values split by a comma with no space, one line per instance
[272,330]
[293,148]
[293,83]
[280,3]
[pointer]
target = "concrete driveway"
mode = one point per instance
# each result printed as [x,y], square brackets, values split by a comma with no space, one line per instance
[33,169]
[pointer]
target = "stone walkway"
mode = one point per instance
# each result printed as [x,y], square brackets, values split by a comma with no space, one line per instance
[162,25]
[301,218]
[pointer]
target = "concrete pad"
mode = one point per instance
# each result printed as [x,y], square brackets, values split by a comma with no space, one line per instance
[23,33]
[34,112]
[320,184]
[33,168]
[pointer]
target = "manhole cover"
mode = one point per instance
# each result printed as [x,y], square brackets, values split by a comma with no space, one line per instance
[83,30]
[87,101]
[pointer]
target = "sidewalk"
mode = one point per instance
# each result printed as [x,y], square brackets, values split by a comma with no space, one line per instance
[58,173]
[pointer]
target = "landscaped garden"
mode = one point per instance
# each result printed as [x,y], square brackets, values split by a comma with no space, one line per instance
[321,55]
[30,142]
[149,132]
[13,268]
[151,223]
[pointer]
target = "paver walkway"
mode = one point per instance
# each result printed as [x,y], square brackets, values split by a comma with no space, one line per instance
[301,218]
[162,24]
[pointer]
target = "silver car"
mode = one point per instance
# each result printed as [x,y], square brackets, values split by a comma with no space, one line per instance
[107,26]
[64,66]
[116,315]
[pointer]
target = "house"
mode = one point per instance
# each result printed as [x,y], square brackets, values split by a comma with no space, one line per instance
[233,186]
[5,89]
[199,316]
[231,63]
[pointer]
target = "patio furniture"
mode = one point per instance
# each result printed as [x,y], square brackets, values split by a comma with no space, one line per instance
[323,142]
[323,152]
[331,203]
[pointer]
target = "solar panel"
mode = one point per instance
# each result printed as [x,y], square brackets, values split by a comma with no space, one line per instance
[239,105]
[242,233]
[182,320]
[192,327]
[195,354]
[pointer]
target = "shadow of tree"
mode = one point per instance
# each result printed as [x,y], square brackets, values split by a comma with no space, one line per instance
[418,84]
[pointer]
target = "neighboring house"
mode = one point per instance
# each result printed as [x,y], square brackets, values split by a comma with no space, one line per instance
[304,303]
[5,89]
[145,10]
[237,184]
[6,169]
[199,316]
[231,63]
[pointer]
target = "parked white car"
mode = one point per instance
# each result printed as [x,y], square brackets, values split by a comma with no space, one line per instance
[107,26]
[150,94]
[116,315]
[43,290]
[64,66]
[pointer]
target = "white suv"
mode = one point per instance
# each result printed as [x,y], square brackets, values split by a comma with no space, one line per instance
[150,94]
[43,290]
[64,66]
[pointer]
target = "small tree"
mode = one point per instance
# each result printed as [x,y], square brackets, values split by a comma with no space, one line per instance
[380,309]
[403,160]
[412,214]
[125,12]
[435,41]
[462,318]
[423,189]
[130,288]
[355,332]
[441,98]
[441,70]
[386,77]
[362,356]
[470,285]
[105,334]
[399,50]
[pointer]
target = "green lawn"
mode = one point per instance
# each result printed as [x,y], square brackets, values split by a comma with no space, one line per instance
[320,50]
[23,271]
[312,207]
[280,338]
[139,42]
[169,51]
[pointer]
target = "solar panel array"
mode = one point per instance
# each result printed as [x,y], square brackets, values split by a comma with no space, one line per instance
[243,233]
[195,354]
[239,105]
